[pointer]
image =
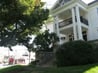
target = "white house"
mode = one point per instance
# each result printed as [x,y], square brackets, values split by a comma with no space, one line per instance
[75,20]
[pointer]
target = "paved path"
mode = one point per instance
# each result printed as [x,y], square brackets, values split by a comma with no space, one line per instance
[4,66]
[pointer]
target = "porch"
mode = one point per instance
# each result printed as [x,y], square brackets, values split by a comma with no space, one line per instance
[73,23]
[68,22]
[68,34]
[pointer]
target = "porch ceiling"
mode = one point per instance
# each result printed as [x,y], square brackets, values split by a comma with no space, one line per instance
[65,14]
[67,31]
[84,29]
[69,5]
[70,30]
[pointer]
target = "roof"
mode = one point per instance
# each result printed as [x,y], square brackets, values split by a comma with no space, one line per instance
[93,2]
[58,1]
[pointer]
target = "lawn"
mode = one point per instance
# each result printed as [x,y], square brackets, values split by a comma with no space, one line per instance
[92,68]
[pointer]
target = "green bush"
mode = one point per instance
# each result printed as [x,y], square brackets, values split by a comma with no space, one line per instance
[95,48]
[75,53]
[34,63]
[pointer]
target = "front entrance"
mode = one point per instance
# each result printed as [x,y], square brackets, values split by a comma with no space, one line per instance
[84,33]
[71,37]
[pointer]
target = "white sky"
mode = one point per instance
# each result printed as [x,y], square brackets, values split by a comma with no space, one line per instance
[17,50]
[49,3]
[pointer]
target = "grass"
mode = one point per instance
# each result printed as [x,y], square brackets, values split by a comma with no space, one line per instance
[92,68]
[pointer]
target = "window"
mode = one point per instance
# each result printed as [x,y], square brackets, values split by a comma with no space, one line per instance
[84,35]
[71,37]
[66,1]
[63,38]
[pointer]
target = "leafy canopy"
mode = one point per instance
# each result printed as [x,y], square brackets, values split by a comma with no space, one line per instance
[19,19]
[45,41]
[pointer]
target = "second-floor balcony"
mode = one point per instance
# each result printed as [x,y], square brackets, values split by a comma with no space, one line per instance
[83,20]
[69,21]
[65,22]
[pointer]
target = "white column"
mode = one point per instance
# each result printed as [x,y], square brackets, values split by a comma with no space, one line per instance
[74,24]
[57,27]
[79,27]
[54,27]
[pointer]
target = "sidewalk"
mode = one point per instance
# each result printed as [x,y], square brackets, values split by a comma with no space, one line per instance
[4,66]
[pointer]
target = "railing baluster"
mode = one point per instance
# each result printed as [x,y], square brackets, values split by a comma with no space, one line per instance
[83,20]
[65,22]
[69,21]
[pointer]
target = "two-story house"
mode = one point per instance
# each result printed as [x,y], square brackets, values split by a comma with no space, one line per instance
[75,20]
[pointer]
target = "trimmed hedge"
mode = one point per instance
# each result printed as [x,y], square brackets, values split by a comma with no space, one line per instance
[75,53]
[95,48]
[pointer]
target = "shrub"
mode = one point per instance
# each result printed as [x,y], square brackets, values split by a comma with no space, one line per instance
[94,43]
[34,63]
[75,53]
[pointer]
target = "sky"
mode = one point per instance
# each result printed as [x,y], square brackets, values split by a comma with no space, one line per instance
[50,3]
[17,50]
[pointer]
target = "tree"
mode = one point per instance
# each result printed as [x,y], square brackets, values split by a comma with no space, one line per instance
[30,49]
[45,41]
[19,19]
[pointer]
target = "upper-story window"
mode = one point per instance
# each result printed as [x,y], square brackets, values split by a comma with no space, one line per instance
[66,0]
[61,3]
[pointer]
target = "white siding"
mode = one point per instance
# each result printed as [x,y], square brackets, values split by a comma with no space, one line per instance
[50,27]
[93,24]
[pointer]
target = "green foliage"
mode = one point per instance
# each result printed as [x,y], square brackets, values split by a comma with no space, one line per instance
[13,69]
[45,41]
[75,53]
[19,19]
[95,47]
[92,70]
[33,63]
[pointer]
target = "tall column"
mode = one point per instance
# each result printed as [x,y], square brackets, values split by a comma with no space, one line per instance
[57,27]
[54,26]
[74,24]
[79,28]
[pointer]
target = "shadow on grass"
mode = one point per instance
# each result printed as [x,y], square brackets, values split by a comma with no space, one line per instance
[14,69]
[91,68]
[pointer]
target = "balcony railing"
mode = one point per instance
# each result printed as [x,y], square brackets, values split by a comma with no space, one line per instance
[69,21]
[83,20]
[65,22]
